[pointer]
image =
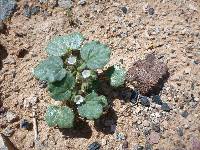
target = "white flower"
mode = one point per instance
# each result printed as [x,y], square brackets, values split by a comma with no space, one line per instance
[79,99]
[71,60]
[86,73]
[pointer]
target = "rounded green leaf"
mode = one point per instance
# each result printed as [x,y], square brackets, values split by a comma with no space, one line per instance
[90,110]
[94,97]
[95,54]
[50,70]
[62,44]
[61,90]
[117,75]
[60,116]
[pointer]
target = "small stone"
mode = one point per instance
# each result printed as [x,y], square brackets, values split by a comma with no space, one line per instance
[2,27]
[2,110]
[35,10]
[146,131]
[144,101]
[148,146]
[82,2]
[156,99]
[134,97]
[27,11]
[42,84]
[11,117]
[151,11]
[184,114]
[5,143]
[120,136]
[7,7]
[140,147]
[195,144]
[24,124]
[94,146]
[154,138]
[180,131]
[125,145]
[124,10]
[165,107]
[146,123]
[8,131]
[104,142]
[156,127]
[65,4]
[30,101]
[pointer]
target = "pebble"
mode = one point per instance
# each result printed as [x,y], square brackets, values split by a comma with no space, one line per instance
[82,2]
[8,131]
[144,101]
[148,146]
[125,145]
[165,107]
[5,143]
[104,142]
[7,8]
[139,147]
[156,99]
[146,123]
[134,97]
[120,136]
[195,144]
[94,146]
[2,27]
[156,127]
[180,131]
[11,117]
[151,11]
[42,84]
[184,114]
[124,10]
[65,3]
[2,110]
[154,137]
[30,101]
[24,124]
[28,11]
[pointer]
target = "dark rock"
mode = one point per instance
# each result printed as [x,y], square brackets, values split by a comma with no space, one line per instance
[134,96]
[139,147]
[5,143]
[184,114]
[35,10]
[2,110]
[180,131]
[27,11]
[2,27]
[124,10]
[165,107]
[148,75]
[125,145]
[156,99]
[25,124]
[144,101]
[7,8]
[42,84]
[151,11]
[148,146]
[156,127]
[94,146]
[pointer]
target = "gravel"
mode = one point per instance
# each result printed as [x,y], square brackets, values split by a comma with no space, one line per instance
[165,107]
[94,146]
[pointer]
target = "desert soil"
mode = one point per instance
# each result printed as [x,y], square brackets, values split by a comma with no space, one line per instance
[171,32]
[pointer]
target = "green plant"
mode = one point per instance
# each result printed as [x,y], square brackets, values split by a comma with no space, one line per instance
[71,73]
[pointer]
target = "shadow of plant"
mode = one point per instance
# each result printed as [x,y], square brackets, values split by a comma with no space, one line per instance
[3,55]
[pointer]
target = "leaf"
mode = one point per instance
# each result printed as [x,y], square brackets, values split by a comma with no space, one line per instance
[91,110]
[62,44]
[94,97]
[50,70]
[95,54]
[117,75]
[60,116]
[61,90]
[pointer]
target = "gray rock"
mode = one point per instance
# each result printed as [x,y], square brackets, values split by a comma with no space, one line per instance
[7,8]
[65,3]
[119,136]
[30,101]
[8,131]
[82,2]
[11,117]
[5,143]
[180,131]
